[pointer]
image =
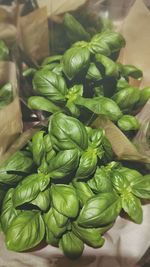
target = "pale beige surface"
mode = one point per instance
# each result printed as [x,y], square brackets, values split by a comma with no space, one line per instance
[125,244]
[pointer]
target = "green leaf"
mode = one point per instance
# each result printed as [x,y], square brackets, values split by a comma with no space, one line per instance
[120,183]
[41,103]
[89,236]
[96,137]
[67,132]
[144,96]
[83,191]
[6,95]
[141,187]
[130,70]
[51,224]
[73,93]
[128,123]
[25,232]
[4,51]
[65,200]
[50,85]
[93,73]
[29,188]
[38,148]
[75,31]
[64,163]
[75,60]
[51,239]
[127,97]
[61,220]
[8,212]
[87,164]
[130,174]
[51,59]
[132,206]
[122,83]
[111,68]
[107,42]
[100,210]
[101,106]
[71,245]
[18,162]
[42,200]
[29,72]
[101,182]
[50,152]
[108,152]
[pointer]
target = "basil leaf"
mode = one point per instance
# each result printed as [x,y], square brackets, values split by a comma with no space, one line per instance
[65,200]
[111,68]
[42,200]
[60,219]
[106,42]
[120,183]
[87,164]
[8,212]
[100,210]
[64,163]
[71,245]
[130,70]
[141,187]
[29,188]
[128,123]
[108,152]
[29,72]
[89,236]
[6,95]
[144,96]
[51,59]
[41,103]
[83,192]
[75,60]
[38,148]
[127,97]
[18,162]
[4,51]
[51,225]
[132,206]
[51,239]
[122,83]
[67,132]
[73,93]
[96,137]
[130,174]
[101,106]
[93,73]
[75,31]
[101,182]
[50,152]
[26,231]
[50,85]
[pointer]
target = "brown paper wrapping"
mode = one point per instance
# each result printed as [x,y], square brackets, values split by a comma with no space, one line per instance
[61,6]
[34,36]
[8,21]
[121,145]
[10,116]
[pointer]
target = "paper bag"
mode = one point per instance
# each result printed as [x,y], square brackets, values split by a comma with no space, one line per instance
[10,115]
[34,36]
